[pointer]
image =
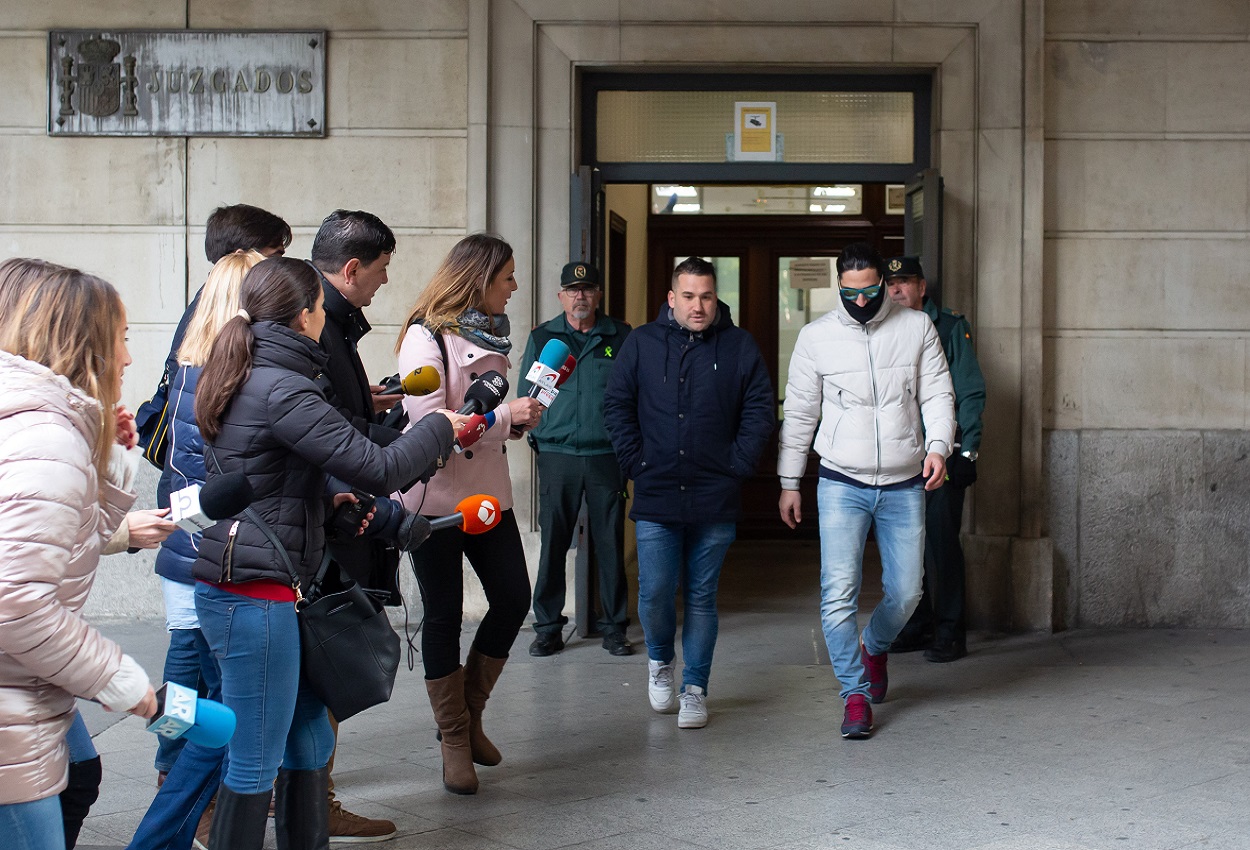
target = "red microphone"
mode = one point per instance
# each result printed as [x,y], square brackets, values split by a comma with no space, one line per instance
[567,369]
[473,430]
[474,515]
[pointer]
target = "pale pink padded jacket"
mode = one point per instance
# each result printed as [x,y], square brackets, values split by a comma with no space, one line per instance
[54,519]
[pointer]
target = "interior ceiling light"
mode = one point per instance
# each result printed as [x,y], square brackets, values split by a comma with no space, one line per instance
[686,208]
[834,191]
[835,207]
[679,191]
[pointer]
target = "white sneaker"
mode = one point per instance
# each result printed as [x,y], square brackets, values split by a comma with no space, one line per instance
[660,685]
[693,714]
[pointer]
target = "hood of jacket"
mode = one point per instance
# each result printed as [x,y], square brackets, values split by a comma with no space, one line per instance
[27,385]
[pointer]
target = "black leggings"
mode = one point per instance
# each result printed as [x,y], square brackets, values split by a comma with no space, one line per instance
[499,561]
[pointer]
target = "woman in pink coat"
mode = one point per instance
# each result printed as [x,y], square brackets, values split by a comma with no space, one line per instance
[64,489]
[458,326]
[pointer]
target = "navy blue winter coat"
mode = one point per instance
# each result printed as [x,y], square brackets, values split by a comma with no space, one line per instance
[689,415]
[184,466]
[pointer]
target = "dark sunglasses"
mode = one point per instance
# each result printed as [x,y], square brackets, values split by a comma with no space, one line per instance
[868,292]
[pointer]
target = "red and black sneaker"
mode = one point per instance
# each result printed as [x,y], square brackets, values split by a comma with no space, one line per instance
[857,720]
[878,679]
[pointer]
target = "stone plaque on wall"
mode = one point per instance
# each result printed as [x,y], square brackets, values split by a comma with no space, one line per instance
[186,83]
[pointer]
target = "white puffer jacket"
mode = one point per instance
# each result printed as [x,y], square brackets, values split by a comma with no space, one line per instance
[54,518]
[881,394]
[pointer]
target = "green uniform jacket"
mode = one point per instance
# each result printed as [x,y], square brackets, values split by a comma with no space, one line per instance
[956,335]
[574,423]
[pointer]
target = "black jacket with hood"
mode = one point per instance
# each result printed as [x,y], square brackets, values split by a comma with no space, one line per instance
[280,431]
[689,415]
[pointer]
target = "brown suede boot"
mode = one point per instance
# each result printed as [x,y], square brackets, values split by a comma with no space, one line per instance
[452,716]
[480,674]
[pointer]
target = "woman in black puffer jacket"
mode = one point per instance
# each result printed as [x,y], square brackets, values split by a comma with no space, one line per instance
[261,414]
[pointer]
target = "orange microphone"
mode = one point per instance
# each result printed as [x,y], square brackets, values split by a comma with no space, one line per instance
[474,515]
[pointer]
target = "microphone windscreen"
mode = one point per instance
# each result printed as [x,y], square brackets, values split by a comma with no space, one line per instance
[481,513]
[422,380]
[486,392]
[214,724]
[554,353]
[472,431]
[226,495]
[570,363]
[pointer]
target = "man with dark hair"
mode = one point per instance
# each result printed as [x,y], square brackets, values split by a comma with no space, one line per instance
[873,378]
[351,252]
[244,227]
[937,626]
[575,459]
[240,227]
[689,407]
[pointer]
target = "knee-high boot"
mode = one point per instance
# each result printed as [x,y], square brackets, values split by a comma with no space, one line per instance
[452,716]
[239,821]
[83,790]
[480,674]
[300,813]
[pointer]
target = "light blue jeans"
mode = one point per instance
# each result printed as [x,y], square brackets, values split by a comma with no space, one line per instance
[280,722]
[846,512]
[689,556]
[33,826]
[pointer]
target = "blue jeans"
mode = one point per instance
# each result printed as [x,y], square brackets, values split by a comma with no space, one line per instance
[33,826]
[689,555]
[280,722]
[846,512]
[189,662]
[78,740]
[174,815]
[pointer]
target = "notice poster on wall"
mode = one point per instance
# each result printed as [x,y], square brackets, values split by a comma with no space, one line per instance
[755,131]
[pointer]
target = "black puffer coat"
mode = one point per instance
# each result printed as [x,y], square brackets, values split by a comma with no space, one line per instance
[285,437]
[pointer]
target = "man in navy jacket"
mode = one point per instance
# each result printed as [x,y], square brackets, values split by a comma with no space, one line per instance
[689,408]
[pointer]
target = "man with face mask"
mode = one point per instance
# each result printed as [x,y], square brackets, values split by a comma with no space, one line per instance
[870,382]
[574,459]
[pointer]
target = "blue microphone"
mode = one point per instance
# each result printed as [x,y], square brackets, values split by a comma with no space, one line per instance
[552,358]
[180,713]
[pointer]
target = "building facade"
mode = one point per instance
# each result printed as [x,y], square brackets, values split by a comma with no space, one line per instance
[1097,205]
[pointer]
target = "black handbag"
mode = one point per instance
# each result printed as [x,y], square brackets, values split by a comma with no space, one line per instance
[152,423]
[349,654]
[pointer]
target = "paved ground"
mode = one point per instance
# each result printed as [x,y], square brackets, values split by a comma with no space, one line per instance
[1079,741]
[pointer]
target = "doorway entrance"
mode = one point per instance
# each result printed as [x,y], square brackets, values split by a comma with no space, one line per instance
[753,255]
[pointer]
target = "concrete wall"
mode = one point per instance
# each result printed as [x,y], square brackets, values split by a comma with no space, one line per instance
[1146,221]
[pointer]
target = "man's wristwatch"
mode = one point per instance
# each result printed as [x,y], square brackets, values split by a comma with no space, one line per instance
[971,454]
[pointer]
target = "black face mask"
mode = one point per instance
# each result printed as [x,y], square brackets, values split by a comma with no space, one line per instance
[863,314]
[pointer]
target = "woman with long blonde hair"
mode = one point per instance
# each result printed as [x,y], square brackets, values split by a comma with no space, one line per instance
[459,325]
[64,490]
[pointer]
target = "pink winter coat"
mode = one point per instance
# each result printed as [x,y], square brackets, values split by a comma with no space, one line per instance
[483,467]
[54,518]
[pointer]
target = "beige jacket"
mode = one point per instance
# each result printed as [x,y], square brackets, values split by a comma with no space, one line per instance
[54,518]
